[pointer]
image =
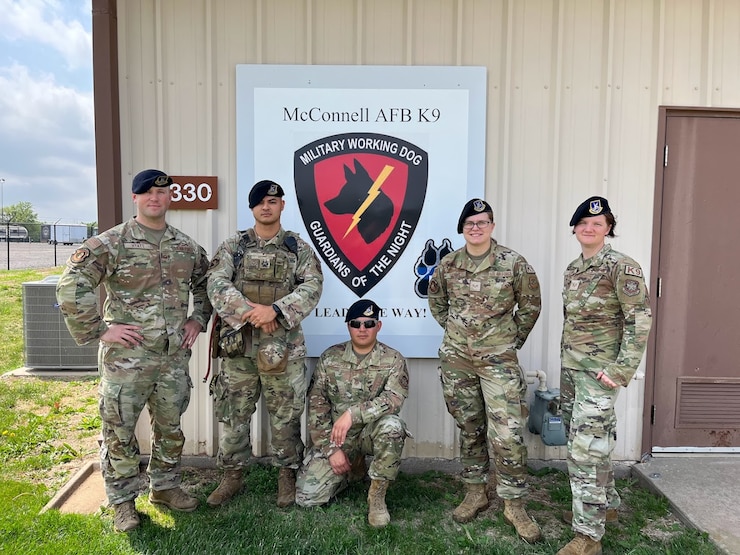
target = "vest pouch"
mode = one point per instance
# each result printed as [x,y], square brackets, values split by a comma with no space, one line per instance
[260,292]
[232,343]
[267,294]
[272,355]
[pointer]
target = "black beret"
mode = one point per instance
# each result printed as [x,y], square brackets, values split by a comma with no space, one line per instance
[363,307]
[471,208]
[263,189]
[145,180]
[592,206]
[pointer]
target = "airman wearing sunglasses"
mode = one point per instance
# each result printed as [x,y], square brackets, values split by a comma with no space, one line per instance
[357,391]
[487,299]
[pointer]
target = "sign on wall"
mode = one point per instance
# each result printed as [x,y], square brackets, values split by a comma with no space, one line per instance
[194,192]
[376,163]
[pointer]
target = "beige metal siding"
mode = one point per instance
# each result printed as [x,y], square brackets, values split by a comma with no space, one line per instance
[573,93]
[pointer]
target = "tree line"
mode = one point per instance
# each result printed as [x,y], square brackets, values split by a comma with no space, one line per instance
[23,214]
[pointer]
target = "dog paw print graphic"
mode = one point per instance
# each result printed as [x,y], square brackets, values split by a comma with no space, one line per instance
[427,262]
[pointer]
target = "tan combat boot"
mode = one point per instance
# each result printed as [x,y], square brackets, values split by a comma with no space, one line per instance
[175,499]
[286,488]
[515,515]
[377,514]
[475,501]
[612,516]
[581,545]
[230,485]
[125,517]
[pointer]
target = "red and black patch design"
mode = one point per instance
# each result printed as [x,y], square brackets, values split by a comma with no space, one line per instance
[360,197]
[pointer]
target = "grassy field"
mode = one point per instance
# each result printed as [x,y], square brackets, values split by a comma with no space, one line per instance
[48,429]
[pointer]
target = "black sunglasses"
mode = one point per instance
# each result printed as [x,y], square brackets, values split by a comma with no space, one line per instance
[359,323]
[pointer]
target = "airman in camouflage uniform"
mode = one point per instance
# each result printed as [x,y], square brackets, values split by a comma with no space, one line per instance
[357,391]
[607,321]
[148,270]
[487,299]
[262,282]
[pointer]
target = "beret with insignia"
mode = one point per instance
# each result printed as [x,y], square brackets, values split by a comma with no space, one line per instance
[264,189]
[145,180]
[471,208]
[363,307]
[592,206]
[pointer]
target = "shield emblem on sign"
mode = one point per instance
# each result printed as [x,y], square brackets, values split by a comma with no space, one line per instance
[360,196]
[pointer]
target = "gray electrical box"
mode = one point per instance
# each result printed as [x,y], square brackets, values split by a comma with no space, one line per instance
[48,343]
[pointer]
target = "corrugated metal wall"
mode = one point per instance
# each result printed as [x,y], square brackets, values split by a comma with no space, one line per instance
[573,93]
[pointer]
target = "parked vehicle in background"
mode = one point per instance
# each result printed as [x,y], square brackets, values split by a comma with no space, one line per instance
[64,234]
[13,232]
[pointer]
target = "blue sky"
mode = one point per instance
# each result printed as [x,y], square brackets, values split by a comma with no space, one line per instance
[47,142]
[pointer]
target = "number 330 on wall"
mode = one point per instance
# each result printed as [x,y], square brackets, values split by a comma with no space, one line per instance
[194,192]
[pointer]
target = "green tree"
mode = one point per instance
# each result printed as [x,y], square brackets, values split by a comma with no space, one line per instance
[92,228]
[22,213]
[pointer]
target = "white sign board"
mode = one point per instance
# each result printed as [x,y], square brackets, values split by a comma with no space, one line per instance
[376,163]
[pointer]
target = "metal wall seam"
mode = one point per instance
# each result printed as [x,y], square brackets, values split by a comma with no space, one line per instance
[709,55]
[409,32]
[159,84]
[309,31]
[359,34]
[507,94]
[607,104]
[459,33]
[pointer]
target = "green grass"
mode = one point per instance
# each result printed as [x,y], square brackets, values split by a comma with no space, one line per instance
[47,427]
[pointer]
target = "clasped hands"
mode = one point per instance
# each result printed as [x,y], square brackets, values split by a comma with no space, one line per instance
[262,317]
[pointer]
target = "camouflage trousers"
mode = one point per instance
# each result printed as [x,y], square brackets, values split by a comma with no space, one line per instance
[588,413]
[316,482]
[486,398]
[129,380]
[236,390]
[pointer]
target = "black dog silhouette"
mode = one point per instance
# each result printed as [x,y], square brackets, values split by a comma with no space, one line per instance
[374,221]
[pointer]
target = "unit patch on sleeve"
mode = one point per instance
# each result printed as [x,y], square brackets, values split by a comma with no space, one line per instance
[79,255]
[433,286]
[631,287]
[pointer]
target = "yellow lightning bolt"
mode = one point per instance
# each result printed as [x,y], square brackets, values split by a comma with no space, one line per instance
[372,194]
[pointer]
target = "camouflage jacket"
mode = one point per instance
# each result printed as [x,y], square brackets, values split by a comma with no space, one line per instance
[487,308]
[145,284]
[607,315]
[231,304]
[370,388]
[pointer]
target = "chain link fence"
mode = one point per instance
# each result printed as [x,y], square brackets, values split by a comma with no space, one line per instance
[39,245]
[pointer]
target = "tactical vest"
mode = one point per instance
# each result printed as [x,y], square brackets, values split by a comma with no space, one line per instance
[264,275]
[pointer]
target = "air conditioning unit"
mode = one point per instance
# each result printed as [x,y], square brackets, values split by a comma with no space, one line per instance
[48,342]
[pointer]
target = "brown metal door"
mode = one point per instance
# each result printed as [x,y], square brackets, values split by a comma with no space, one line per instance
[696,381]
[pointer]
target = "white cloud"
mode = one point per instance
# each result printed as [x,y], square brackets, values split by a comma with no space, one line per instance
[48,144]
[51,23]
[47,137]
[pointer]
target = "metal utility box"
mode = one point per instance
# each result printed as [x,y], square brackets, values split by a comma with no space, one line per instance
[48,343]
